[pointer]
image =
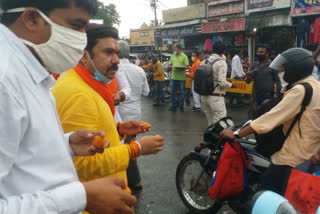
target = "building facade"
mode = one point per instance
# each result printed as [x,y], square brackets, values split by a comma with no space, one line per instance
[142,39]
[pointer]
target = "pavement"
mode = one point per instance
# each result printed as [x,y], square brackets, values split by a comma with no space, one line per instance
[182,132]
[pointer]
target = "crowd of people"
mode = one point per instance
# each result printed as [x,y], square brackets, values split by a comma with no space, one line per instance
[48,161]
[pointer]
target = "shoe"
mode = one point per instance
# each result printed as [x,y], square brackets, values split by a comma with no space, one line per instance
[196,110]
[182,109]
[193,108]
[172,109]
[156,104]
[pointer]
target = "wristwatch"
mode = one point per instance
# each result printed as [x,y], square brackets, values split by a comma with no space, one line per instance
[236,133]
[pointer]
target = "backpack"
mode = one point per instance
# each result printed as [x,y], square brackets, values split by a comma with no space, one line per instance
[203,78]
[231,177]
[271,142]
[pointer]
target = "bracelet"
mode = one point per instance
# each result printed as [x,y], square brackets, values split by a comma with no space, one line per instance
[118,129]
[140,149]
[135,151]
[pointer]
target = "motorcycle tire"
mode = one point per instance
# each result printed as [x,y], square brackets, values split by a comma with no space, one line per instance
[189,198]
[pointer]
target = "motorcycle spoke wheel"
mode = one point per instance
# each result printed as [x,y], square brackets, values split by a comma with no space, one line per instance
[194,196]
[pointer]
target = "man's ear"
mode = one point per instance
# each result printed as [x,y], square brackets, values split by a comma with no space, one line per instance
[32,19]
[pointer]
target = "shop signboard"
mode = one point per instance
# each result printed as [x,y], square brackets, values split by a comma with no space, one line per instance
[261,5]
[305,7]
[216,27]
[177,32]
[226,9]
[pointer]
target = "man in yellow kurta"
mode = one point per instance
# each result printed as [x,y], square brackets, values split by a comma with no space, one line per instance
[158,78]
[85,102]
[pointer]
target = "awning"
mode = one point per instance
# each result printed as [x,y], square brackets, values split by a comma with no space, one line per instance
[177,30]
[179,24]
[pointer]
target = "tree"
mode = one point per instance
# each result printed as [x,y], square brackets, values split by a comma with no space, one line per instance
[108,13]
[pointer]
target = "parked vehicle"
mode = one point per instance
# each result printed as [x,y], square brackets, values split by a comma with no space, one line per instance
[166,86]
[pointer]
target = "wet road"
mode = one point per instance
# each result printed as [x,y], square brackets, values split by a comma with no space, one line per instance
[182,132]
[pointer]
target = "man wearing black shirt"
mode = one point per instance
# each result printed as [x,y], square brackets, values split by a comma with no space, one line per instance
[264,78]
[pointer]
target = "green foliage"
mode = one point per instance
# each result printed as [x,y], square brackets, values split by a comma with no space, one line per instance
[108,13]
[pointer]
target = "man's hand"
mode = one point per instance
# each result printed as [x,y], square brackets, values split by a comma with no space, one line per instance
[151,145]
[228,133]
[132,127]
[122,96]
[117,98]
[81,142]
[234,85]
[107,196]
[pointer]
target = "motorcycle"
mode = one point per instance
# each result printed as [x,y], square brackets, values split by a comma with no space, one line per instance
[196,171]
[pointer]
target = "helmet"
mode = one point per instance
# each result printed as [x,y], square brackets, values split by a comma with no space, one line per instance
[296,62]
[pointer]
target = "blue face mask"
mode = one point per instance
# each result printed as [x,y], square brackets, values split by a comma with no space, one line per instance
[101,78]
[97,75]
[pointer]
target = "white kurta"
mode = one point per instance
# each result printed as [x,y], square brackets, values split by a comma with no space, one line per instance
[237,69]
[123,86]
[37,174]
[131,108]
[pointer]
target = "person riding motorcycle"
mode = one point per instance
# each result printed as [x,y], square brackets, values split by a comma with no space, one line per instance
[295,66]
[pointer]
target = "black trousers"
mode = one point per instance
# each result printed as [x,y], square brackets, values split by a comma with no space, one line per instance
[133,172]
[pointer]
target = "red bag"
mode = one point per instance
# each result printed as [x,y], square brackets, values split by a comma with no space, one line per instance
[231,174]
[303,191]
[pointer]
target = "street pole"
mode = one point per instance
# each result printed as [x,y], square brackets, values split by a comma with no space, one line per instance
[154,8]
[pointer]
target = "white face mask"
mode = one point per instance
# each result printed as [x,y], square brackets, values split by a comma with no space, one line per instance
[284,84]
[63,50]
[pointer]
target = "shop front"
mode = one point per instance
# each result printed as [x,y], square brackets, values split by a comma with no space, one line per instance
[229,32]
[306,17]
[268,22]
[226,22]
[186,34]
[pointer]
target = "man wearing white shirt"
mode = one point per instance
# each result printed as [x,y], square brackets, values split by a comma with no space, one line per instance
[237,70]
[124,91]
[130,109]
[36,170]
[236,73]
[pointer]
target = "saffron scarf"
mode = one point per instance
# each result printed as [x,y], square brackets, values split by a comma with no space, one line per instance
[99,87]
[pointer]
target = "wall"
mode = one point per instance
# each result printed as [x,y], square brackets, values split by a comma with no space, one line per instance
[184,13]
[142,37]
[192,2]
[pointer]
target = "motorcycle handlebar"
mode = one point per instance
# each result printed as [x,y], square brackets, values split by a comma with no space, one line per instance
[204,145]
